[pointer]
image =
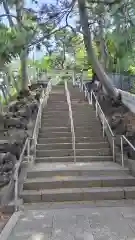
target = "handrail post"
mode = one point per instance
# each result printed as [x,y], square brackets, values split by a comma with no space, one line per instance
[85,93]
[89,101]
[40,118]
[96,109]
[113,140]
[103,126]
[28,150]
[16,190]
[122,153]
[91,97]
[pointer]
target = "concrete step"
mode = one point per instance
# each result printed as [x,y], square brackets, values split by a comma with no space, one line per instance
[55,117]
[69,152]
[55,128]
[67,124]
[78,130]
[58,182]
[57,109]
[78,127]
[66,119]
[54,113]
[58,102]
[93,169]
[43,140]
[79,194]
[69,145]
[71,159]
[55,134]
[83,119]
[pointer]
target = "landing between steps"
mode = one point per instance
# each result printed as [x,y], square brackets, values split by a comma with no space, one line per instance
[83,221]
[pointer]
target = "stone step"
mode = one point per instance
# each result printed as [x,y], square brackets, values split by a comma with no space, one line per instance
[43,140]
[65,112]
[57,104]
[55,117]
[87,133]
[71,159]
[54,134]
[79,194]
[84,118]
[76,169]
[67,124]
[56,122]
[55,101]
[55,128]
[59,129]
[58,182]
[62,118]
[69,152]
[69,145]
[62,121]
[57,109]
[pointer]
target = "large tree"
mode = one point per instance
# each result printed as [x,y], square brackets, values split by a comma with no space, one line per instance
[98,21]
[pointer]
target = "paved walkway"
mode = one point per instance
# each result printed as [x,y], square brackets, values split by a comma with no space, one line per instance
[77,222]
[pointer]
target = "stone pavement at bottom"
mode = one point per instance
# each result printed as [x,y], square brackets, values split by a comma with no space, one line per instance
[76,223]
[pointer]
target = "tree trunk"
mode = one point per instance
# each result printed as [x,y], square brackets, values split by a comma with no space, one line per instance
[24,73]
[6,9]
[92,59]
[24,53]
[103,55]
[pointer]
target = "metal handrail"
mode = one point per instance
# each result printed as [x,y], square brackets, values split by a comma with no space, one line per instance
[17,167]
[98,105]
[26,147]
[122,150]
[71,120]
[122,137]
[104,121]
[43,102]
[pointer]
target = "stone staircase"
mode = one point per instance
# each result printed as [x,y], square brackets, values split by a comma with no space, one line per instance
[55,176]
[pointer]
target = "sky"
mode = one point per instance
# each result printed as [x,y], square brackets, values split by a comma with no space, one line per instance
[36,54]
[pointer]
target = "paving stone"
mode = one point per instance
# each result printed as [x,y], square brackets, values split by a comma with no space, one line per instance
[83,236]
[103,223]
[109,224]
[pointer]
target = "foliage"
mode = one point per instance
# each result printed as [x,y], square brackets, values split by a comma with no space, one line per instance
[47,27]
[9,47]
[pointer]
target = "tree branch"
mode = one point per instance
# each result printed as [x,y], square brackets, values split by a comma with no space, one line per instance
[13,16]
[56,30]
[109,2]
[5,5]
[46,36]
